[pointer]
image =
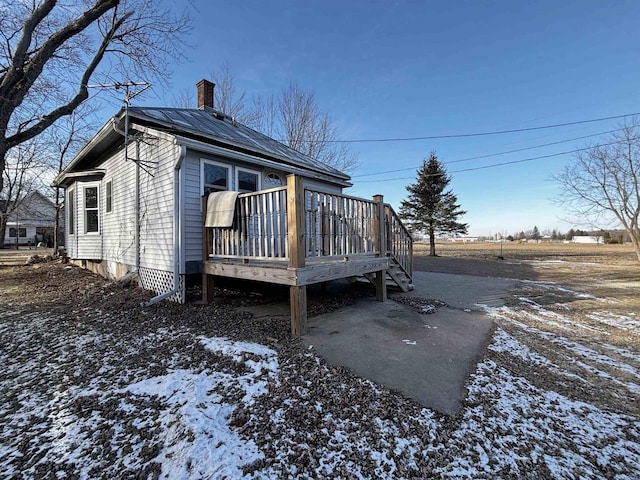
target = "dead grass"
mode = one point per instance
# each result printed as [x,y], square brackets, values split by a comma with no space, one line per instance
[570,307]
[623,254]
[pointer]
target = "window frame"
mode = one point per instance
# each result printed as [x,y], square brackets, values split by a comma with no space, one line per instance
[267,183]
[17,231]
[257,173]
[203,185]
[108,196]
[86,209]
[71,201]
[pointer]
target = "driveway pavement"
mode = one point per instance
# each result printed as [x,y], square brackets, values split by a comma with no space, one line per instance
[426,357]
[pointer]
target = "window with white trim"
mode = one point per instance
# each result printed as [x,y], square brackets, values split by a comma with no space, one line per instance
[215,177]
[247,180]
[71,204]
[108,196]
[91,212]
[17,232]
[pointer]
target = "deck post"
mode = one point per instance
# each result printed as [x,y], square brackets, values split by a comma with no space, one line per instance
[380,232]
[296,248]
[207,280]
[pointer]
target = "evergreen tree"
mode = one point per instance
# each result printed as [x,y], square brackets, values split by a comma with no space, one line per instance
[535,234]
[429,208]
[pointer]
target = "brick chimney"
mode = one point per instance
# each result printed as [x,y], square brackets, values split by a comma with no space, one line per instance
[205,93]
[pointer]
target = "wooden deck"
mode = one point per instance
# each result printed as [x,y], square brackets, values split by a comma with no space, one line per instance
[298,237]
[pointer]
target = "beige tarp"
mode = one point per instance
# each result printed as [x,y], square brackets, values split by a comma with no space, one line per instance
[221,207]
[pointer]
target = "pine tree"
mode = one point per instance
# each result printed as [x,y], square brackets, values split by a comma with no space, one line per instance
[429,208]
[535,233]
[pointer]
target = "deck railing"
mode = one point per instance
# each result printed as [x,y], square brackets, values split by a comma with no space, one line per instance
[259,229]
[339,225]
[399,240]
[271,224]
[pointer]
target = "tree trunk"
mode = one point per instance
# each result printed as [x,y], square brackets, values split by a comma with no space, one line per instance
[432,243]
[56,228]
[3,228]
[3,163]
[635,241]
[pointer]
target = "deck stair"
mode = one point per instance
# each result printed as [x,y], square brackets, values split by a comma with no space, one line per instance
[397,278]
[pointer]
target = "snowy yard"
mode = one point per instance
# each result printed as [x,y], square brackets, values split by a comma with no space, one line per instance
[92,386]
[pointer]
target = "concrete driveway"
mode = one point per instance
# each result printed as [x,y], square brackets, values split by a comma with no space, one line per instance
[426,357]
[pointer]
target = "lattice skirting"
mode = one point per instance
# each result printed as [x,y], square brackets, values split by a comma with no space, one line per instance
[161,281]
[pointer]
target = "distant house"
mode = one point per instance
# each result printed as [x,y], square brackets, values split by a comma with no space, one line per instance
[463,239]
[271,213]
[598,239]
[31,222]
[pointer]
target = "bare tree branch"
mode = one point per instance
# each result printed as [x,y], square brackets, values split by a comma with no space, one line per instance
[601,185]
[50,52]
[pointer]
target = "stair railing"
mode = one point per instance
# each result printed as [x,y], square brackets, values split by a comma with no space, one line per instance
[399,241]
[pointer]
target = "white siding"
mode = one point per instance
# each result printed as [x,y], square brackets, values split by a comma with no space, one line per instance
[116,241]
[156,204]
[118,226]
[89,244]
[71,241]
[192,211]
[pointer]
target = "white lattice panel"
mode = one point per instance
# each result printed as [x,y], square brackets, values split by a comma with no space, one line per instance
[161,281]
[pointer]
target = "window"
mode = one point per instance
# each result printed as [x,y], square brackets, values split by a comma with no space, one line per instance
[72,213]
[108,197]
[215,176]
[247,180]
[272,180]
[91,218]
[21,232]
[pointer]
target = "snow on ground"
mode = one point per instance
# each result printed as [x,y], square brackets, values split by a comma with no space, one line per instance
[82,399]
[512,426]
[558,288]
[614,320]
[577,350]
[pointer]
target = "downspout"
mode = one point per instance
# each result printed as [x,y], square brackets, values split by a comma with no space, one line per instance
[137,209]
[177,223]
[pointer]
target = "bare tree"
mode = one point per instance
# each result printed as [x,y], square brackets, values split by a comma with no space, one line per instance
[22,175]
[227,99]
[49,52]
[66,137]
[296,119]
[601,186]
[304,127]
[265,115]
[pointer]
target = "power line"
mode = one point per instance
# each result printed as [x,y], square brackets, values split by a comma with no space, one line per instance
[492,154]
[476,134]
[493,165]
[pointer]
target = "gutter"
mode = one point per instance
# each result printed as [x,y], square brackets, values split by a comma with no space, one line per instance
[305,172]
[177,224]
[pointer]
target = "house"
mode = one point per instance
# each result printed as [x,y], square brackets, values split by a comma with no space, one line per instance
[31,222]
[142,208]
[592,239]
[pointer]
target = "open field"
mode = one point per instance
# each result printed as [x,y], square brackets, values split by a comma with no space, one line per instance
[93,386]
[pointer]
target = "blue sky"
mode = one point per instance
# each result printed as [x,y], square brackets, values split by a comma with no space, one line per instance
[411,69]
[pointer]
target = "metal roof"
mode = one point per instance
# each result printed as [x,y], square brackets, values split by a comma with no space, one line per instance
[217,126]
